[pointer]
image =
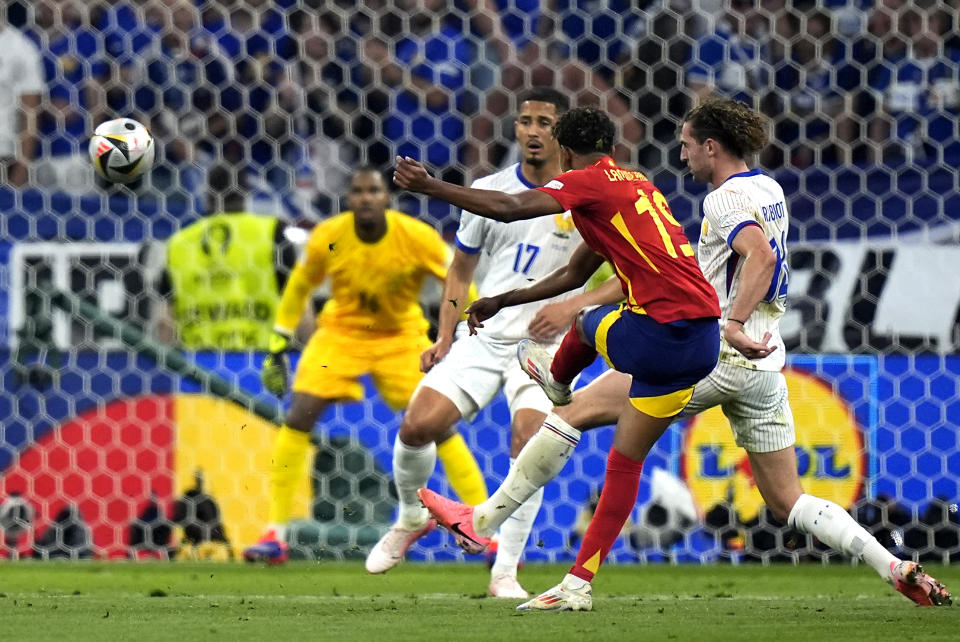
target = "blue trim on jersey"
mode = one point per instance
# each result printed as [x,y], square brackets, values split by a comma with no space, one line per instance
[661,357]
[466,248]
[524,180]
[737,229]
[753,172]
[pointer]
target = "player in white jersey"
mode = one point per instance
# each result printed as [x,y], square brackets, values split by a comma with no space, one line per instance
[742,254]
[465,372]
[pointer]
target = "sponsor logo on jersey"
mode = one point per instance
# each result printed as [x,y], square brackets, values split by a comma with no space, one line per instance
[831,456]
[554,184]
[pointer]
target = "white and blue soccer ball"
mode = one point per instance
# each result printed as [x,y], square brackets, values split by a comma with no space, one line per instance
[121,150]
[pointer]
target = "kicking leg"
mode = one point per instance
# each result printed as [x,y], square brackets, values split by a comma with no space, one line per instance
[541,459]
[635,436]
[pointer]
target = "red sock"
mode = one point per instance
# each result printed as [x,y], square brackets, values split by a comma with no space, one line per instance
[572,357]
[620,486]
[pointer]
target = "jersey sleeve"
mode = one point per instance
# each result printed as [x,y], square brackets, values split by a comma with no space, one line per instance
[472,232]
[313,263]
[573,190]
[435,253]
[728,211]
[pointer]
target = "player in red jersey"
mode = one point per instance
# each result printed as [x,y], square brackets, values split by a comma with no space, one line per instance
[665,336]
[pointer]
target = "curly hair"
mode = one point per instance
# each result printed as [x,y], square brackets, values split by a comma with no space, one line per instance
[733,124]
[585,130]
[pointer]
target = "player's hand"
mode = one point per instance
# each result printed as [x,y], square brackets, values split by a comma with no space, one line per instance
[410,175]
[481,310]
[734,335]
[432,355]
[551,320]
[276,365]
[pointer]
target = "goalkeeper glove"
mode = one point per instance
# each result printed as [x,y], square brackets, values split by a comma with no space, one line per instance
[276,365]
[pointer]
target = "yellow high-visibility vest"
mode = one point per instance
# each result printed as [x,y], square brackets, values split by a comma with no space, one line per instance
[223,273]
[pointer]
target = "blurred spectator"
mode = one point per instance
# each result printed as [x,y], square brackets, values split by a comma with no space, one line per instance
[733,59]
[75,68]
[255,35]
[314,105]
[129,30]
[224,273]
[653,71]
[811,113]
[427,120]
[546,60]
[919,86]
[21,80]
[188,92]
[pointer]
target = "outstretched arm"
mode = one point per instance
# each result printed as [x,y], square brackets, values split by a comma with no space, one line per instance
[583,263]
[411,175]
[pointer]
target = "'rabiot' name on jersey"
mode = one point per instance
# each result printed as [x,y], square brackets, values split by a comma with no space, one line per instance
[748,198]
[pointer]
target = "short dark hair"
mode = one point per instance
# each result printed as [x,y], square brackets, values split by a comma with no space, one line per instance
[585,130]
[370,169]
[546,95]
[740,129]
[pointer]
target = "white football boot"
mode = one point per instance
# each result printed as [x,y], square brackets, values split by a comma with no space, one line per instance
[395,543]
[505,585]
[535,361]
[572,594]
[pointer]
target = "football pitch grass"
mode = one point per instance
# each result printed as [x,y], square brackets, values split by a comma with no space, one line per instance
[417,601]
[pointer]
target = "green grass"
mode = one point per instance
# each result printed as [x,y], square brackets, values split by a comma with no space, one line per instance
[338,601]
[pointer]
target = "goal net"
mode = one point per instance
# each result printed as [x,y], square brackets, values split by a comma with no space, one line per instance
[115,442]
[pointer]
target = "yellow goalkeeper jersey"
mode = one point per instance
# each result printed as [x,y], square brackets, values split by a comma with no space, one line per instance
[375,286]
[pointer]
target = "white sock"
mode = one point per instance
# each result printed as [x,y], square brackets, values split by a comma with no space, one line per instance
[412,467]
[833,526]
[514,532]
[280,530]
[541,460]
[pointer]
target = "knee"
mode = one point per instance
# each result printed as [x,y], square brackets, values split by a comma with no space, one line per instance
[417,429]
[581,333]
[780,506]
[303,416]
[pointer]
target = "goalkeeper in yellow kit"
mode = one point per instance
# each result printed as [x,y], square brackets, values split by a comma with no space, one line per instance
[377,259]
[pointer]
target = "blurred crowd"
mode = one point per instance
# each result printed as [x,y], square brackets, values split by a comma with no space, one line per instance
[296,92]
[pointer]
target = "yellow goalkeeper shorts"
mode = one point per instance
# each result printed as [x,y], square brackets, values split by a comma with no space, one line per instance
[334,360]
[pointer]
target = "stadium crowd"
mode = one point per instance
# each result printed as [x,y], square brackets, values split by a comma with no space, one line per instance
[296,92]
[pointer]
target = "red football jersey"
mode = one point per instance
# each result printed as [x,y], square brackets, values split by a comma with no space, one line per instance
[624,217]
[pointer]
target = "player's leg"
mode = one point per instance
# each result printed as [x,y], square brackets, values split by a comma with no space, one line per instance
[314,389]
[635,435]
[288,467]
[763,423]
[577,350]
[513,534]
[546,453]
[427,419]
[396,373]
[682,354]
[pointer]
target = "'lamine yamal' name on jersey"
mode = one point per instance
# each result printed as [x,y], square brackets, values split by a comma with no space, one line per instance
[515,254]
[748,198]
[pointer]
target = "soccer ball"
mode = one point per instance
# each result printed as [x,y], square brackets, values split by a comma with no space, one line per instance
[121,150]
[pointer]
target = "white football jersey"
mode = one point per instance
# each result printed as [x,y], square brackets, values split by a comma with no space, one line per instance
[516,254]
[744,199]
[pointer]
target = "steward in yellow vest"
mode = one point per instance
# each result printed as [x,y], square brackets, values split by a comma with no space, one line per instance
[225,274]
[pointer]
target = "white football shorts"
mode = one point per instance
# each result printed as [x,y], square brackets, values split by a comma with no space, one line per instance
[754,401]
[477,368]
